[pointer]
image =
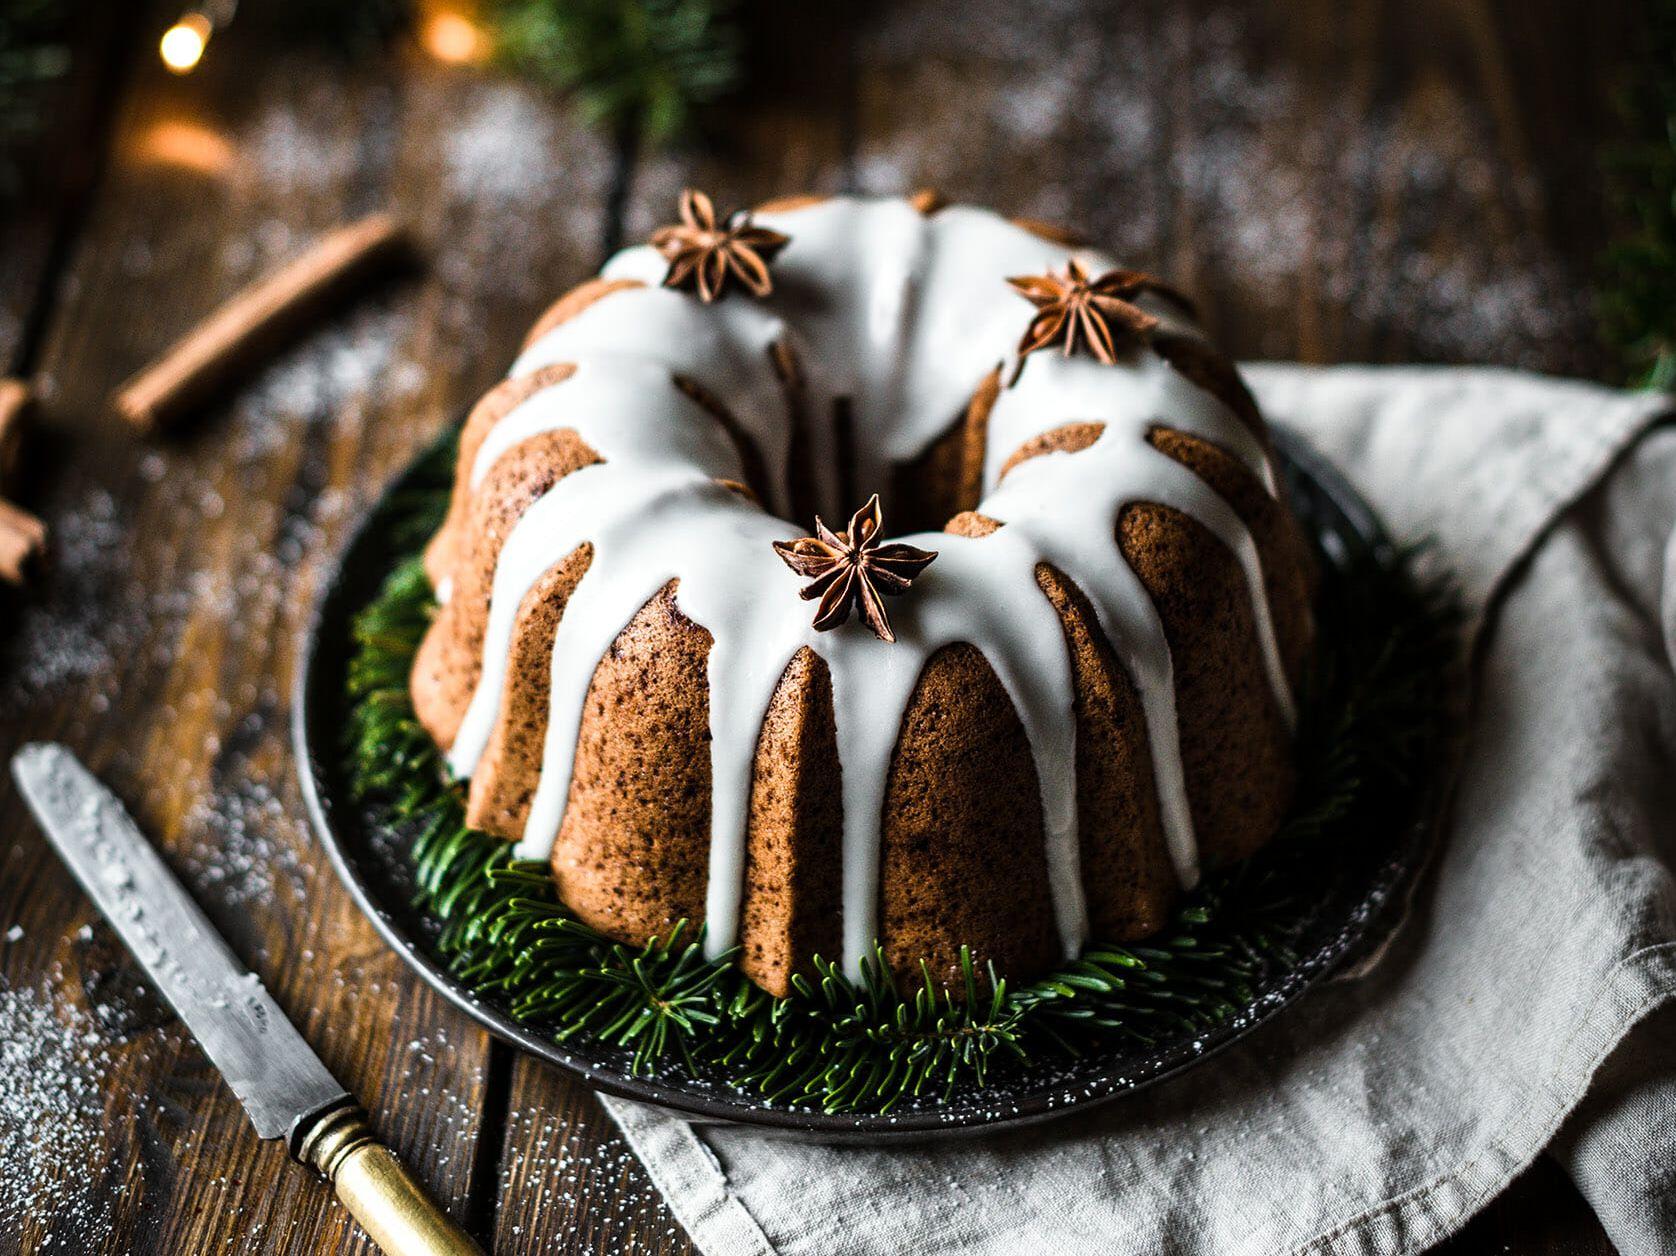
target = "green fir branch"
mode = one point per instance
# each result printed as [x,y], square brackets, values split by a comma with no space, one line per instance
[1637,295]
[1371,716]
[642,66]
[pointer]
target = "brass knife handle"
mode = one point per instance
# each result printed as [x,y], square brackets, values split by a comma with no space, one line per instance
[377,1189]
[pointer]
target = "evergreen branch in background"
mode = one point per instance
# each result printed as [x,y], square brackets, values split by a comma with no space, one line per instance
[1638,289]
[1372,719]
[635,66]
[32,56]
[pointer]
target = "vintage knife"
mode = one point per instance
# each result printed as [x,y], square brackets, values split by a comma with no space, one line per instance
[284,1087]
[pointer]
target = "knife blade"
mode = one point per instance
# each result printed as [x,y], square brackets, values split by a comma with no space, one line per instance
[286,1090]
[271,1069]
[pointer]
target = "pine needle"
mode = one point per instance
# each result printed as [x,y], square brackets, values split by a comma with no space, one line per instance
[642,65]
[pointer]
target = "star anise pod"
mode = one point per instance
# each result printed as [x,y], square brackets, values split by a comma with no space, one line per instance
[850,569]
[1097,312]
[704,255]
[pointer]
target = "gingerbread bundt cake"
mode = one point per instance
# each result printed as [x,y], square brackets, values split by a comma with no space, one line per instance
[1089,691]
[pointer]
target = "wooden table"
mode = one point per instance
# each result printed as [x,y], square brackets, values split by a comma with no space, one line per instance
[1347,180]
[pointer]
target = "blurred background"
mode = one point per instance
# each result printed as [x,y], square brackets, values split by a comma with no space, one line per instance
[1432,180]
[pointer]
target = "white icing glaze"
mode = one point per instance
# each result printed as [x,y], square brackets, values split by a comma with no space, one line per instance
[722,347]
[903,315]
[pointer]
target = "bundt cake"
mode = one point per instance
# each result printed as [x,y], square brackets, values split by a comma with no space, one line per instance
[1089,693]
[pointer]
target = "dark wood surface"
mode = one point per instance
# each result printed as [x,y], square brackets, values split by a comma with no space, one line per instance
[1336,179]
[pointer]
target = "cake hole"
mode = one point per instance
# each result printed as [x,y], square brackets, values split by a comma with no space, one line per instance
[918,496]
[750,455]
[843,435]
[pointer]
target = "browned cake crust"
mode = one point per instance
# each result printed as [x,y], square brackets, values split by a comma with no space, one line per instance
[504,785]
[794,850]
[495,405]
[962,857]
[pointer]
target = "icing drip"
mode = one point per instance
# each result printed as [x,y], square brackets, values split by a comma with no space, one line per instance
[660,449]
[723,347]
[903,315]
[1068,504]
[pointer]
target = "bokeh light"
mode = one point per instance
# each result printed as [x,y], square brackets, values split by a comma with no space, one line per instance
[182,45]
[454,39]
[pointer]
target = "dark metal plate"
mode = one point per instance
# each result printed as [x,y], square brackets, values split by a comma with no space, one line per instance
[1356,915]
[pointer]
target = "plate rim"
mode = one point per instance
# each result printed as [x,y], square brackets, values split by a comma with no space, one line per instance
[1388,887]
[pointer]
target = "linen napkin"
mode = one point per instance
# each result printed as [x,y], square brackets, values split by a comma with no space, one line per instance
[1381,1111]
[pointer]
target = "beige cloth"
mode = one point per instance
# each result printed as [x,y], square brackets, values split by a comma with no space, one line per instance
[1381,1112]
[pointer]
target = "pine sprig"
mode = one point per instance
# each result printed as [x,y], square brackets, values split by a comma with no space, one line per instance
[641,65]
[1371,720]
[1637,310]
[848,1047]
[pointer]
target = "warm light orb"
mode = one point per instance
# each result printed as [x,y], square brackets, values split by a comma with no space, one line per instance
[182,45]
[187,145]
[453,38]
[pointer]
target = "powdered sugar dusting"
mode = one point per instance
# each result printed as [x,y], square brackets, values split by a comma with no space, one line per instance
[498,152]
[563,1170]
[446,1096]
[54,1150]
[288,151]
[517,182]
[245,845]
[65,636]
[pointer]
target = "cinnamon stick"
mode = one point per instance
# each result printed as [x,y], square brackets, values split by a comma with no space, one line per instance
[16,398]
[23,539]
[253,323]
